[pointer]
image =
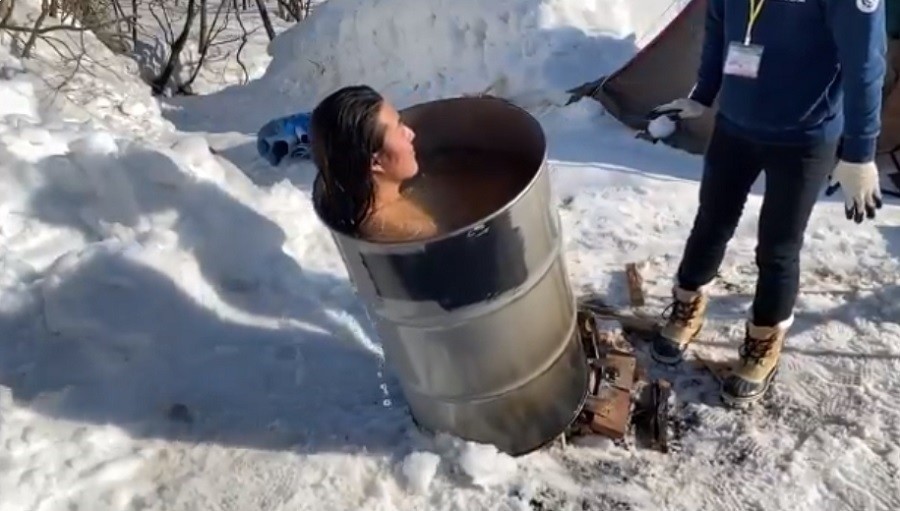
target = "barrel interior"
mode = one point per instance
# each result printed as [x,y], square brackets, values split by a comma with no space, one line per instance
[475,155]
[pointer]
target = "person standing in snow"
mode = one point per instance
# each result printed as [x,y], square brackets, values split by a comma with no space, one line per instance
[799,87]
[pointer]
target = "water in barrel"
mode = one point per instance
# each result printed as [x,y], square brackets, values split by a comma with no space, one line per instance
[455,187]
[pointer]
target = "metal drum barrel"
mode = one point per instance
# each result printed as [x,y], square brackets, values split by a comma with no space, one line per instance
[479,323]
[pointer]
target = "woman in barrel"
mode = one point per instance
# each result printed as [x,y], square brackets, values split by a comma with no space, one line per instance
[364,154]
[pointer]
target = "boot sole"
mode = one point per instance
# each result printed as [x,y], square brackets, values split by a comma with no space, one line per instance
[671,361]
[745,401]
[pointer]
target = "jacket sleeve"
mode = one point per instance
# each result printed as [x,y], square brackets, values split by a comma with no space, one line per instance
[709,76]
[859,31]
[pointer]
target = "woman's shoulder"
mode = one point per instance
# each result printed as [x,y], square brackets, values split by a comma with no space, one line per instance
[402,220]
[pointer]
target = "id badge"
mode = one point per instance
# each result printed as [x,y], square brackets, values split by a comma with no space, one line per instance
[743,59]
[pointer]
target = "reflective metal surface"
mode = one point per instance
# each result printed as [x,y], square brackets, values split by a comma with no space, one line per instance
[479,323]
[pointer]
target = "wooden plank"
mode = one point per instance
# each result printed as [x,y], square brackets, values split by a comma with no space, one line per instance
[635,285]
[662,390]
[631,322]
[618,370]
[611,413]
[587,333]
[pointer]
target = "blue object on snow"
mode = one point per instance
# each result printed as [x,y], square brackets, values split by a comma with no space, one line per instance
[284,136]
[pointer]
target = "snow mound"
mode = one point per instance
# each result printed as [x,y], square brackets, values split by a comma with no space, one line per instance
[532,50]
[128,264]
[419,469]
[486,465]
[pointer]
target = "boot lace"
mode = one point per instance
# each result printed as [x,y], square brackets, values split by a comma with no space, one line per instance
[682,312]
[756,350]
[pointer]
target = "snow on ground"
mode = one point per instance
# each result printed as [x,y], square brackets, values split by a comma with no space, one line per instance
[177,331]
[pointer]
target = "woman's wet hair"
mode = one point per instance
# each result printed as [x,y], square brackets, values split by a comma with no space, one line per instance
[345,133]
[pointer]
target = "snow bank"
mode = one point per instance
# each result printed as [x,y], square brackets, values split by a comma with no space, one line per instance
[533,50]
[648,17]
[528,51]
[75,185]
[149,293]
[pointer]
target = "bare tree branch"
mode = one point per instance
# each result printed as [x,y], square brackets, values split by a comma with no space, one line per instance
[166,24]
[244,37]
[159,84]
[264,15]
[134,25]
[169,41]
[32,39]
[286,8]
[206,39]
[9,5]
[121,17]
[204,20]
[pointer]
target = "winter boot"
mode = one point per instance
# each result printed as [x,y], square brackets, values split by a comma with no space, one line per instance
[685,318]
[758,364]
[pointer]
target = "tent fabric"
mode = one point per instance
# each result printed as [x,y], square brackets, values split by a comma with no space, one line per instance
[663,70]
[666,69]
[890,111]
[889,164]
[892,12]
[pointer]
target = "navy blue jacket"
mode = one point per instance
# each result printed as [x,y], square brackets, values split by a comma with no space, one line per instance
[820,77]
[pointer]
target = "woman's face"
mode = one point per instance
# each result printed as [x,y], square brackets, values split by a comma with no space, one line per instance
[397,158]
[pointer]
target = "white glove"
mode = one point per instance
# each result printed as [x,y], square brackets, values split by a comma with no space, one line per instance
[682,108]
[664,119]
[661,127]
[862,191]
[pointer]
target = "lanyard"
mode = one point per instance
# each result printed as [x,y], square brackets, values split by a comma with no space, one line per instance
[755,8]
